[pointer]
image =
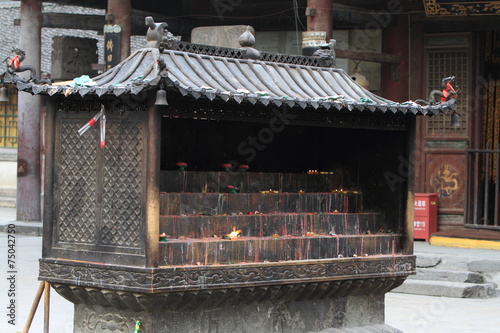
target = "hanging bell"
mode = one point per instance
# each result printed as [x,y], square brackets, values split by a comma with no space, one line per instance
[161,97]
[4,94]
[455,120]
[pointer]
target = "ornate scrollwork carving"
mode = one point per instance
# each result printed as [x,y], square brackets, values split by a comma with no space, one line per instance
[225,276]
[178,300]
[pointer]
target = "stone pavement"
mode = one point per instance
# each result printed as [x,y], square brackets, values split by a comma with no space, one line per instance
[409,313]
[27,250]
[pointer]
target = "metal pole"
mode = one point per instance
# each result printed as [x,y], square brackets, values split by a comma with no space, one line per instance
[497,187]
[477,168]
[29,110]
[486,188]
[469,187]
[46,307]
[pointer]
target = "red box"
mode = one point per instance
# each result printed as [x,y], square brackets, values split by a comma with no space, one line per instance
[425,215]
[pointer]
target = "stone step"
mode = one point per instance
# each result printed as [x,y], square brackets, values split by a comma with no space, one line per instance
[8,197]
[216,251]
[7,202]
[34,228]
[484,265]
[243,203]
[442,262]
[447,275]
[447,289]
[247,182]
[267,225]
[8,192]
[426,261]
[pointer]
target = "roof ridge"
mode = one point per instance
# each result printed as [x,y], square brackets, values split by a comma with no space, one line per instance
[239,53]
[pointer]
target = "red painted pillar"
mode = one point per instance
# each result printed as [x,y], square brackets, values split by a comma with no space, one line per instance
[121,10]
[28,114]
[319,16]
[395,83]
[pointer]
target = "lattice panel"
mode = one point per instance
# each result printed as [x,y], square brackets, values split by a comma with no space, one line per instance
[291,59]
[441,64]
[76,184]
[121,214]
[209,50]
[8,120]
[239,54]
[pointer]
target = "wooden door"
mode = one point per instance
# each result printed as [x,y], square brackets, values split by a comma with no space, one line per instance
[441,148]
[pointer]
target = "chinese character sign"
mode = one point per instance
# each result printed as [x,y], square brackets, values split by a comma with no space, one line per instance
[111,45]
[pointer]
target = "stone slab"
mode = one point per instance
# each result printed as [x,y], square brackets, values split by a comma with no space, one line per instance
[428,261]
[447,275]
[446,289]
[484,266]
[492,277]
[25,228]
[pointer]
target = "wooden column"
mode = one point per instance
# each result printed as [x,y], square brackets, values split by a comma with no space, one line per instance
[319,16]
[121,10]
[48,202]
[415,84]
[29,110]
[395,80]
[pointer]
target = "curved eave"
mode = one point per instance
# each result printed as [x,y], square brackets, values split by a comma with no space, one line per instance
[140,71]
[239,80]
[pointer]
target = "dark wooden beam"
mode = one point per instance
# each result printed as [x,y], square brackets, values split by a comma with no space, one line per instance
[71,21]
[457,23]
[368,56]
[96,23]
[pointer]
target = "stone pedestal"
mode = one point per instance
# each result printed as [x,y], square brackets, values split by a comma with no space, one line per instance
[325,315]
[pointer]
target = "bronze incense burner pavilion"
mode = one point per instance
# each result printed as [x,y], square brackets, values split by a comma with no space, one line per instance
[267,196]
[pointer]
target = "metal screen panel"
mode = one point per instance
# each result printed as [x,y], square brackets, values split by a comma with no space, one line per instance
[76,185]
[8,120]
[122,185]
[99,191]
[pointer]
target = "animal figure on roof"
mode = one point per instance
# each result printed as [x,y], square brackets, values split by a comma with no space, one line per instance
[446,93]
[14,67]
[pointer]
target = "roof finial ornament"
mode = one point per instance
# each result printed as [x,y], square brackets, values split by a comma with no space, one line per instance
[247,41]
[158,36]
[326,53]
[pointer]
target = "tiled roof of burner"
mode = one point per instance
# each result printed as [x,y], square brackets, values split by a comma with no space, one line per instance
[227,76]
